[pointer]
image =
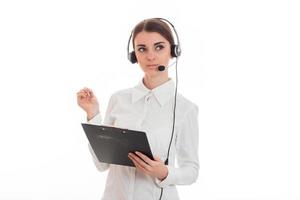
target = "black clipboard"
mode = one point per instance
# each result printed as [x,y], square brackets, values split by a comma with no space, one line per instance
[112,145]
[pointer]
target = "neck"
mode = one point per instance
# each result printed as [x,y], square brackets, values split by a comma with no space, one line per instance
[154,81]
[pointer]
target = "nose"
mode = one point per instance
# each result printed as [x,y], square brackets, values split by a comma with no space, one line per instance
[150,55]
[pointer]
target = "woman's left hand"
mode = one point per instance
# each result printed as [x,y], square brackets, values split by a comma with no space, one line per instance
[155,168]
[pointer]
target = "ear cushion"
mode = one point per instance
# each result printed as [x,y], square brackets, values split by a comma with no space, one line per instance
[132,57]
[175,50]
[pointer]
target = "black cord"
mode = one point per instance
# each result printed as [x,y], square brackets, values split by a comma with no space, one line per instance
[174,114]
[173,126]
[161,192]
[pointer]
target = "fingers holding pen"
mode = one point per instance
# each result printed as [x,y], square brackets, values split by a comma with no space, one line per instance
[85,93]
[88,102]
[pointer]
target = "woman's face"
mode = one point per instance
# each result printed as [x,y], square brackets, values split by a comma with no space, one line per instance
[151,50]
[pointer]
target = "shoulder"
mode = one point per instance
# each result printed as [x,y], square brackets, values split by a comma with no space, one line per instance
[185,104]
[122,94]
[186,110]
[186,116]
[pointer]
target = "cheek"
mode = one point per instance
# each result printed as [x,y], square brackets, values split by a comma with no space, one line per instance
[139,58]
[143,68]
[167,55]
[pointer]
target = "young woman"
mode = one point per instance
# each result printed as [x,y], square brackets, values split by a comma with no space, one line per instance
[149,107]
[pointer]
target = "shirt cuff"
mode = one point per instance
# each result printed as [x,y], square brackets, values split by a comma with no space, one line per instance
[96,120]
[168,180]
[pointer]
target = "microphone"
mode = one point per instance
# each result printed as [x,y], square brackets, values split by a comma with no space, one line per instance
[162,68]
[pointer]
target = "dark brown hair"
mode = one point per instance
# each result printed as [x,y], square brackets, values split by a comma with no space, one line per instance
[154,25]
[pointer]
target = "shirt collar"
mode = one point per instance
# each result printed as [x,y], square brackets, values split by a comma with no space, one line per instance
[163,93]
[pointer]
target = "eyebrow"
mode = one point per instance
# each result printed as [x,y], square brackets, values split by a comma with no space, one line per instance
[142,45]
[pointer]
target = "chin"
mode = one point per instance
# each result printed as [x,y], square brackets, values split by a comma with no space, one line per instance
[153,73]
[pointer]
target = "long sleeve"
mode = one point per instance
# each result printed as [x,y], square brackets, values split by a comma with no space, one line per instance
[97,120]
[186,153]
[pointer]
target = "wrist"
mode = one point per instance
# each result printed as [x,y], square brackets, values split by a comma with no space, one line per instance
[165,174]
[91,115]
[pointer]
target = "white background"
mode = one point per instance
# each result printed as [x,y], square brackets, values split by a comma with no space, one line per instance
[240,65]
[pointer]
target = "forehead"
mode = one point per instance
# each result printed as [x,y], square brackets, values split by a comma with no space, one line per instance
[149,38]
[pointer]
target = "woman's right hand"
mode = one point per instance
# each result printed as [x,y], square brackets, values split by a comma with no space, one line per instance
[87,100]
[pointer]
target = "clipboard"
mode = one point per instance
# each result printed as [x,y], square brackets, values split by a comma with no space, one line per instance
[112,145]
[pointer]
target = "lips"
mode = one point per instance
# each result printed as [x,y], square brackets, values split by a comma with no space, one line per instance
[152,66]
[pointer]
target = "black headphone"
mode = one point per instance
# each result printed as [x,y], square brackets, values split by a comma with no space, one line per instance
[175,48]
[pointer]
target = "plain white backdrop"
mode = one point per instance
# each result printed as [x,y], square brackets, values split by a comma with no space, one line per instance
[240,65]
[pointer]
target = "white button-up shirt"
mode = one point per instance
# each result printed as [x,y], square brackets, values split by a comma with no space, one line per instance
[151,111]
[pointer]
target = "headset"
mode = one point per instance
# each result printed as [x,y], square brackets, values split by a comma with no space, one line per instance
[175,53]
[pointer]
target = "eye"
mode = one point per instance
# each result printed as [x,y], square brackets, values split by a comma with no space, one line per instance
[141,49]
[159,47]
